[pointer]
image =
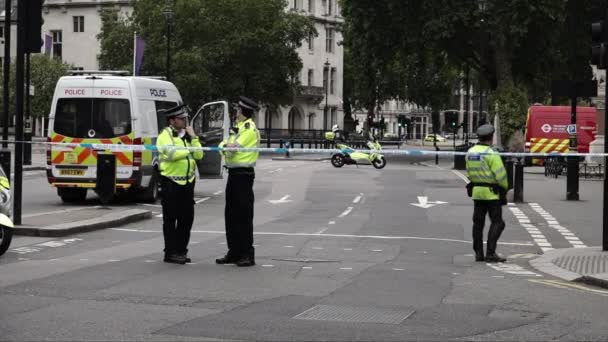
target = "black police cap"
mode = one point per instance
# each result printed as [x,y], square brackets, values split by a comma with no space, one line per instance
[248,103]
[177,111]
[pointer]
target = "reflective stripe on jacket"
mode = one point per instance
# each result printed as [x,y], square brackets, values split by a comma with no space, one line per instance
[177,164]
[484,165]
[248,136]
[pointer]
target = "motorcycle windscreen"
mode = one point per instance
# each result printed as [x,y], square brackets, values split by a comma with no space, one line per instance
[211,124]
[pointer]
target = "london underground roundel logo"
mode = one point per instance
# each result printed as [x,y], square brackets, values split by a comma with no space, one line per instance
[546,128]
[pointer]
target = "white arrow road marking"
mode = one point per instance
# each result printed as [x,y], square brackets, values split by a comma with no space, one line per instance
[283,199]
[423,202]
[357,199]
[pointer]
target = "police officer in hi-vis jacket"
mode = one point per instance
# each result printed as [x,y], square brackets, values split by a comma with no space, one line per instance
[177,177]
[238,213]
[488,188]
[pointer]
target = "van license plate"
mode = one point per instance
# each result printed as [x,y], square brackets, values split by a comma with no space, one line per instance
[71,172]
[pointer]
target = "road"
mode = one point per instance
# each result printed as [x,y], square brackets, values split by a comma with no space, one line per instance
[343,254]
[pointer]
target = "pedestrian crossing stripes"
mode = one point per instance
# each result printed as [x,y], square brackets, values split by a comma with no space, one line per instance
[553,223]
[535,233]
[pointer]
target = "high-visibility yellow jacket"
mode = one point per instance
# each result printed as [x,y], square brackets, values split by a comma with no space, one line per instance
[247,136]
[484,165]
[177,164]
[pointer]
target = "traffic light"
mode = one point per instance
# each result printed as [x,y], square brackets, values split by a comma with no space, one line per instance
[599,44]
[33,27]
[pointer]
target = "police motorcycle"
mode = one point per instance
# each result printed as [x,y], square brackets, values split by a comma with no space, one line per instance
[6,225]
[349,156]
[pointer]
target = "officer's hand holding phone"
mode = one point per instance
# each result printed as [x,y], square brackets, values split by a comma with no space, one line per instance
[190,131]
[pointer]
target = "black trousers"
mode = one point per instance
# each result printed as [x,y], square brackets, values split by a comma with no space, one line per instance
[497,225]
[238,213]
[178,215]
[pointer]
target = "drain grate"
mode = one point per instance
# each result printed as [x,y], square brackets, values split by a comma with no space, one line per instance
[583,264]
[354,314]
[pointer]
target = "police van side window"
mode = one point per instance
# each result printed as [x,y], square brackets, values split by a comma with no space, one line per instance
[160,118]
[93,117]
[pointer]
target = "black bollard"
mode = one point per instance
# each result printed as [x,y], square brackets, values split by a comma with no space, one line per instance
[509,167]
[518,188]
[287,146]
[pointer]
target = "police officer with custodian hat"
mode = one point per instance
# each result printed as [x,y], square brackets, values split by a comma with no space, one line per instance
[238,213]
[488,188]
[177,176]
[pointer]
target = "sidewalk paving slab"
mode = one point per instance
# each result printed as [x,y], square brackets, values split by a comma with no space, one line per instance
[584,265]
[78,220]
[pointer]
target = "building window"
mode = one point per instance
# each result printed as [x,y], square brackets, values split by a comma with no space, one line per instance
[311,75]
[311,6]
[332,81]
[57,41]
[311,121]
[325,76]
[311,41]
[324,5]
[330,7]
[329,40]
[1,31]
[78,24]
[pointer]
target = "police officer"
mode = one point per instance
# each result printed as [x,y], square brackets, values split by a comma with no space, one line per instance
[177,177]
[488,187]
[238,213]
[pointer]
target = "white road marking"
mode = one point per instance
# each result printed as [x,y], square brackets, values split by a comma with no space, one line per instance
[398,269]
[553,223]
[512,269]
[149,261]
[218,192]
[346,268]
[152,205]
[159,215]
[52,244]
[321,231]
[463,177]
[84,259]
[267,265]
[376,237]
[538,237]
[277,170]
[25,250]
[113,260]
[23,259]
[376,250]
[331,222]
[306,267]
[348,249]
[288,246]
[346,212]
[283,199]
[357,199]
[318,248]
[202,200]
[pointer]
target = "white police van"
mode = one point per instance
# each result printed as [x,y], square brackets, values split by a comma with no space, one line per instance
[107,108]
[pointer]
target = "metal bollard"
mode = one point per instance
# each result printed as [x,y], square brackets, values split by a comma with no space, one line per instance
[518,187]
[287,145]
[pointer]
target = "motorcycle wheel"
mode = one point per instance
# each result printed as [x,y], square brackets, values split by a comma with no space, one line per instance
[6,235]
[379,163]
[337,160]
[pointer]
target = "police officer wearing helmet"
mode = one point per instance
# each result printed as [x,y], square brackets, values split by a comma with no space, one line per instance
[238,213]
[177,170]
[488,186]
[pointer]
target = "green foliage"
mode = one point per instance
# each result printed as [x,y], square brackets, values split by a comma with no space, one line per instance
[45,72]
[511,106]
[116,40]
[220,49]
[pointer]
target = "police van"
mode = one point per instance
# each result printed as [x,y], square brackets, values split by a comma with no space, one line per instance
[106,108]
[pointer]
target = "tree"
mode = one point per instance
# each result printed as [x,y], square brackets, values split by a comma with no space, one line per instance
[228,48]
[45,72]
[116,40]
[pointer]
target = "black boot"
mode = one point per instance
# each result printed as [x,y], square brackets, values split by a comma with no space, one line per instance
[175,259]
[495,258]
[246,261]
[227,259]
[479,256]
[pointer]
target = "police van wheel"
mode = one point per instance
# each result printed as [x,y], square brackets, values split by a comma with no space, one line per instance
[72,195]
[338,160]
[379,163]
[150,194]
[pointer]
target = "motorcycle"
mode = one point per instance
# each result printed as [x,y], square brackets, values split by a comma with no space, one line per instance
[6,225]
[349,156]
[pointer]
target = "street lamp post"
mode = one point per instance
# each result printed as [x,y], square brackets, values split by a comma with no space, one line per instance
[168,13]
[326,110]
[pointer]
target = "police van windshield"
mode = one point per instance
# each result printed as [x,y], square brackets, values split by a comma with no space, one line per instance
[92,117]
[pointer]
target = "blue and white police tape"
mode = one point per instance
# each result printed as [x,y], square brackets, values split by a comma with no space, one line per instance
[282,150]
